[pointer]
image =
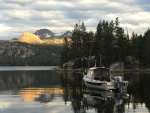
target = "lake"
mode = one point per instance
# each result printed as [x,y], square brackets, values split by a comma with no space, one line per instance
[43,90]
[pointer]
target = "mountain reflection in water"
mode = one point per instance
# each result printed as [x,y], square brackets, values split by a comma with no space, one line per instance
[50,91]
[39,94]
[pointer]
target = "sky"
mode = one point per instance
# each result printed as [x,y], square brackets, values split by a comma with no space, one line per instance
[19,16]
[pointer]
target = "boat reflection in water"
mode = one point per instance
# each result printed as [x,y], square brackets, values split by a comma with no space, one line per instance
[106,101]
[92,100]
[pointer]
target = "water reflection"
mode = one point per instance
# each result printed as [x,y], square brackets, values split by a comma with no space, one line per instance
[138,100]
[139,89]
[67,91]
[39,94]
[106,101]
[84,100]
[31,85]
[74,88]
[23,79]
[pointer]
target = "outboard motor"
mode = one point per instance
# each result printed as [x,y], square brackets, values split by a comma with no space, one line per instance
[120,83]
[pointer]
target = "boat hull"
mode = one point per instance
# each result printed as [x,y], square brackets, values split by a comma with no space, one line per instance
[100,78]
[103,85]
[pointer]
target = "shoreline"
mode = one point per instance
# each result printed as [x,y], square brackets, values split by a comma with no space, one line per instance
[69,70]
[26,68]
[146,70]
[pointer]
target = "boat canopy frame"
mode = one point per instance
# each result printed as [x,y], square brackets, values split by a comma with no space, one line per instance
[99,73]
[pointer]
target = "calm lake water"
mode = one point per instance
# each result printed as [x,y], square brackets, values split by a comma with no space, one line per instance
[43,90]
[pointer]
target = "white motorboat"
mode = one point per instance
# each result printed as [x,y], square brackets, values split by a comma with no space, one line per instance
[100,78]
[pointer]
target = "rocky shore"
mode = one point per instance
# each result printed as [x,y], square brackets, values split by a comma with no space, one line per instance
[80,70]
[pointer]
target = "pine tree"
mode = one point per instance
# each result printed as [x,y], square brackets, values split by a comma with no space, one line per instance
[121,41]
[75,42]
[140,48]
[98,42]
[83,38]
[65,53]
[146,48]
[134,45]
[76,46]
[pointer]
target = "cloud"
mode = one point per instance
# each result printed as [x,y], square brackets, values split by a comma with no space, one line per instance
[18,16]
[18,2]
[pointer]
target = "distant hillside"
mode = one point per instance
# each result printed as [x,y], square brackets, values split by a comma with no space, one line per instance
[30,38]
[21,54]
[47,34]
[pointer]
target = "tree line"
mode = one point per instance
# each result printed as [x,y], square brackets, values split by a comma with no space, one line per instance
[110,43]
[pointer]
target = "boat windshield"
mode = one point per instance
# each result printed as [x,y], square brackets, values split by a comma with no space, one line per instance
[102,73]
[90,73]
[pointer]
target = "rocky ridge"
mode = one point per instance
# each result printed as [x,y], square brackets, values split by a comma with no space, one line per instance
[30,38]
[47,34]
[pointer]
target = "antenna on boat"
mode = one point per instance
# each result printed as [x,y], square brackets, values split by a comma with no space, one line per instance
[95,64]
[100,61]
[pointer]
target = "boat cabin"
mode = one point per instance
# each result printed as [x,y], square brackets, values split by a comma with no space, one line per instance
[99,73]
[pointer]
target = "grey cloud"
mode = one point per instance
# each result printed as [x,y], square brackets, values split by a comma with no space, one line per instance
[142,1]
[22,15]
[18,2]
